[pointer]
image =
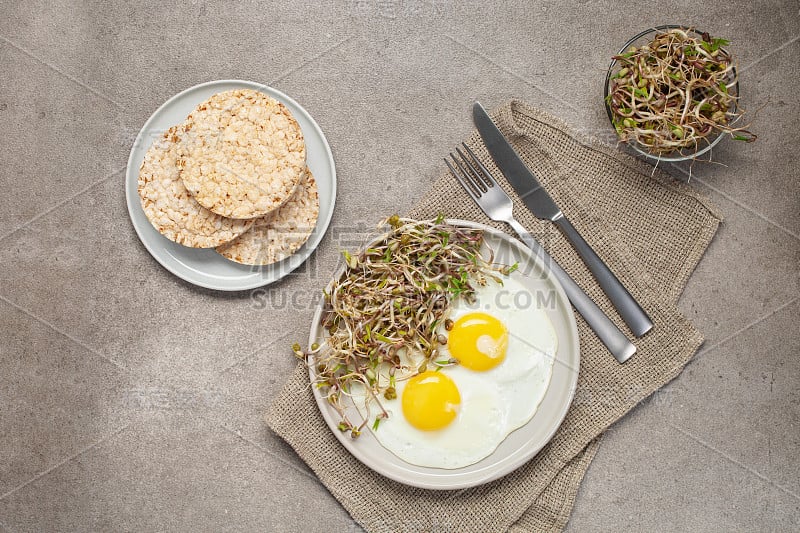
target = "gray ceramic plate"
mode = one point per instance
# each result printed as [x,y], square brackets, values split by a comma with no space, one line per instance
[205,267]
[521,445]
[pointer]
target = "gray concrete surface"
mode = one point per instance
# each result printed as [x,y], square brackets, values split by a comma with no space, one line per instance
[130,400]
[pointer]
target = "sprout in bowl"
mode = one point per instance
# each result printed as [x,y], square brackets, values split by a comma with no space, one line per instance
[672,93]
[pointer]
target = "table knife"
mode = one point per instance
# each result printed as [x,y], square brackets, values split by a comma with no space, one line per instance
[539,202]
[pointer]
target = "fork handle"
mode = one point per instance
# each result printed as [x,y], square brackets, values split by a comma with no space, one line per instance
[628,308]
[616,341]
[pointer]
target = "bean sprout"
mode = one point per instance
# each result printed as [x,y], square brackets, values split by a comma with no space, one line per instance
[390,302]
[675,92]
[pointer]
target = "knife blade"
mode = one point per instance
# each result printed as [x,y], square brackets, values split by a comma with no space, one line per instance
[539,202]
[516,171]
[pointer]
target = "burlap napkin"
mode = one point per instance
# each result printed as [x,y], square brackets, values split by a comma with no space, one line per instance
[650,230]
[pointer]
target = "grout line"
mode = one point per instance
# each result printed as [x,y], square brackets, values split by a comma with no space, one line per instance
[64,74]
[302,469]
[311,59]
[61,203]
[252,354]
[63,333]
[747,208]
[735,201]
[512,73]
[277,456]
[771,52]
[747,327]
[735,461]
[65,461]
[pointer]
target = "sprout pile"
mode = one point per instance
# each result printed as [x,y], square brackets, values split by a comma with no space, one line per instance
[390,302]
[675,93]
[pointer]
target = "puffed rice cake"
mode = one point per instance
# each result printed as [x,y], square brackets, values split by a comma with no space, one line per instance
[279,234]
[243,155]
[171,208]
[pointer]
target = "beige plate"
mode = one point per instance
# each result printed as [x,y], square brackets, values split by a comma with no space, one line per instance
[521,445]
[205,267]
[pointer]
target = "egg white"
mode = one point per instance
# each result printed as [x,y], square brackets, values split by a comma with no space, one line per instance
[482,415]
[493,403]
[524,375]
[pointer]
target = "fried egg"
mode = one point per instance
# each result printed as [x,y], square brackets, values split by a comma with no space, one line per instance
[457,415]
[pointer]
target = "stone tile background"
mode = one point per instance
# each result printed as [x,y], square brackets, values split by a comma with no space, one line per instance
[130,400]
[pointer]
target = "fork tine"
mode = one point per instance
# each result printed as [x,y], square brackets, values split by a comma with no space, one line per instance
[462,180]
[485,174]
[477,186]
[472,171]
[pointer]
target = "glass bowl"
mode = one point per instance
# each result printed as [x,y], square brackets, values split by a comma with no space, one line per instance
[683,154]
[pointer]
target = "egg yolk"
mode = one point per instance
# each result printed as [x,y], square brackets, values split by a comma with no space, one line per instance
[430,401]
[479,341]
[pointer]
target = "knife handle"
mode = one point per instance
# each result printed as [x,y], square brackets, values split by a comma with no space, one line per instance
[629,309]
[611,336]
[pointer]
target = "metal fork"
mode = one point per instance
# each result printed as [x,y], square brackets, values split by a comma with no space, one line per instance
[493,200]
